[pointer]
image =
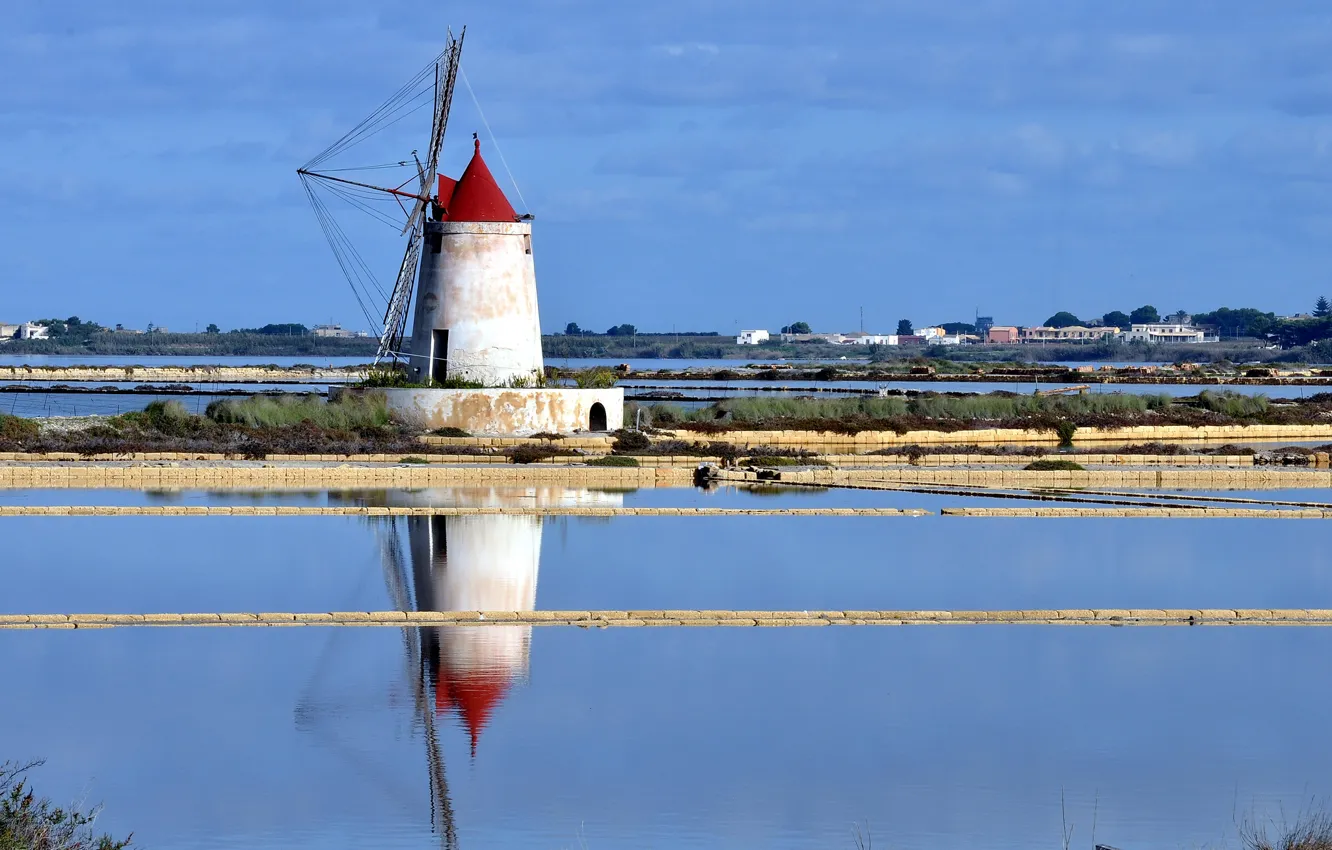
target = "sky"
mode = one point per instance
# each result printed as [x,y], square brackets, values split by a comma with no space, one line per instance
[691,165]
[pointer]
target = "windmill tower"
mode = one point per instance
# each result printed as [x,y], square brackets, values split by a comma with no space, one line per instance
[476,301]
[475,350]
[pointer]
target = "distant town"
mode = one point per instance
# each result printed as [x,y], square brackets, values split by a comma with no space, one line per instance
[1139,329]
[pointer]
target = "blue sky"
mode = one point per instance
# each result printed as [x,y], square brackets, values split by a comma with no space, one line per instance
[691,164]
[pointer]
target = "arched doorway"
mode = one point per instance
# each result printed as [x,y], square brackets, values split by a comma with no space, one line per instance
[597,417]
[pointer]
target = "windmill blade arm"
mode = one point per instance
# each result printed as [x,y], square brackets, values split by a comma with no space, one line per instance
[395,316]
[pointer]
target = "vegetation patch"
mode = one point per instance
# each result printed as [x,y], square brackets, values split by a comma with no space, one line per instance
[596,378]
[29,822]
[782,460]
[532,453]
[349,411]
[450,432]
[16,429]
[613,460]
[413,459]
[964,411]
[1053,465]
[627,441]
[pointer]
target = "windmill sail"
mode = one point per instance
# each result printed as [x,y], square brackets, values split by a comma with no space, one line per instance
[395,316]
[434,85]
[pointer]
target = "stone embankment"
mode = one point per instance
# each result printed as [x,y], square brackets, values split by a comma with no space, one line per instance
[186,374]
[865,441]
[306,476]
[441,510]
[696,618]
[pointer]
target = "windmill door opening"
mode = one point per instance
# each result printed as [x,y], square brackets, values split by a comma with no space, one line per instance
[439,355]
[597,417]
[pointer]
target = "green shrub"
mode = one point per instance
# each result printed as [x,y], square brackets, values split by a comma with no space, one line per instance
[630,441]
[28,822]
[17,429]
[532,453]
[412,459]
[349,412]
[1065,430]
[782,460]
[450,432]
[596,378]
[1053,465]
[613,460]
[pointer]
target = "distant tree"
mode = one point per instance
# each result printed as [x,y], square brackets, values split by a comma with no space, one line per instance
[212,329]
[1062,319]
[1322,309]
[572,329]
[622,330]
[1245,321]
[287,329]
[74,321]
[796,328]
[1144,315]
[1118,319]
[955,328]
[904,328]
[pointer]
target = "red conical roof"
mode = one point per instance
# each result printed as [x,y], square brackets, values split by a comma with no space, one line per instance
[477,197]
[474,694]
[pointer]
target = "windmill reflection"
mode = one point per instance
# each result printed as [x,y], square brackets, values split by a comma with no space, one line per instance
[466,563]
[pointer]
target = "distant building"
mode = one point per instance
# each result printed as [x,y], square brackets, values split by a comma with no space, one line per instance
[1072,333]
[28,330]
[745,337]
[930,333]
[1003,334]
[983,325]
[121,329]
[157,329]
[334,332]
[1173,332]
[862,338]
[8,331]
[943,339]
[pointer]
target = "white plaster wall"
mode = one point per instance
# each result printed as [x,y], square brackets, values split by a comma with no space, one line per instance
[499,412]
[477,280]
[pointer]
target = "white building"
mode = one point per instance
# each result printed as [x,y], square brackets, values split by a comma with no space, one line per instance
[752,337]
[28,330]
[8,331]
[943,339]
[863,338]
[1155,332]
[333,331]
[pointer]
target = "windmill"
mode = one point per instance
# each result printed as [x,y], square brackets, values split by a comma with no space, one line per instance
[434,85]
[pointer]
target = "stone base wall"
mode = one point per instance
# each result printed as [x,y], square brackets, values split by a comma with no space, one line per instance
[503,412]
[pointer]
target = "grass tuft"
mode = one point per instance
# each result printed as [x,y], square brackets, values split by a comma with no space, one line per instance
[350,411]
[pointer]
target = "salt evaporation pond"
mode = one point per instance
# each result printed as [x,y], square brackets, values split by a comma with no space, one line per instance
[699,738]
[938,736]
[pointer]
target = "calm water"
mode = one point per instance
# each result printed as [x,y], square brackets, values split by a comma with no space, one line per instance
[562,737]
